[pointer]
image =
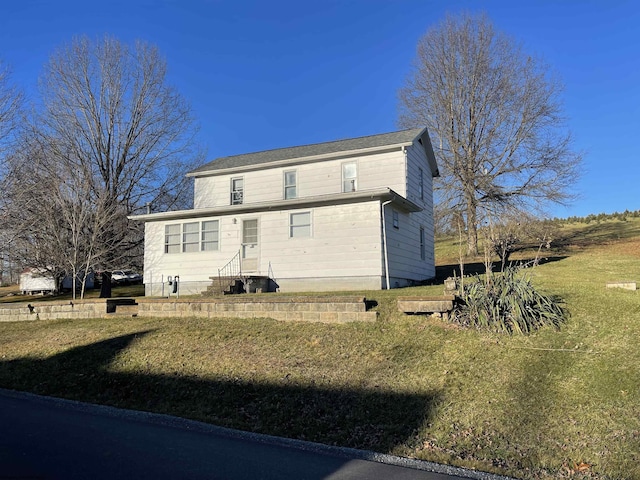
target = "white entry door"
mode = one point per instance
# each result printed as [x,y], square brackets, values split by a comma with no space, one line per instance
[250,245]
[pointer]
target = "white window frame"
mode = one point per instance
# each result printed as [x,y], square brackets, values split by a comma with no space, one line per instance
[237,194]
[190,237]
[172,240]
[248,239]
[205,241]
[305,228]
[353,180]
[290,187]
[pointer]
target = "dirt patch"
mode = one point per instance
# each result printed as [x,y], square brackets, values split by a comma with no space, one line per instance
[631,247]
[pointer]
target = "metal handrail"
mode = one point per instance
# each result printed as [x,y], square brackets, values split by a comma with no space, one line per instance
[233,269]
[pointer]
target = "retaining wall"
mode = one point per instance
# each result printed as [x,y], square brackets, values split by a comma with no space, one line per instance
[308,309]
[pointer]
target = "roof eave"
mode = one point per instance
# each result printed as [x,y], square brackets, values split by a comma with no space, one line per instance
[383,194]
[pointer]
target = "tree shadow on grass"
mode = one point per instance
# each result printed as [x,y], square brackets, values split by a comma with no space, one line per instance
[598,233]
[359,418]
[478,268]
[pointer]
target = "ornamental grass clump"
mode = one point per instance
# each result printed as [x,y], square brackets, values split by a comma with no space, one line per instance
[506,302]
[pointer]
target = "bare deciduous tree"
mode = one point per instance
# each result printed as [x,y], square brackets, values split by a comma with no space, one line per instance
[11,102]
[495,118]
[110,114]
[10,107]
[57,215]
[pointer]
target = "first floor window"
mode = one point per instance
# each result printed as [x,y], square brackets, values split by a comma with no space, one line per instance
[172,238]
[191,237]
[422,246]
[210,235]
[300,224]
[396,219]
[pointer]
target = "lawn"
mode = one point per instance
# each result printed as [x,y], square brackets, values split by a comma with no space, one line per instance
[555,404]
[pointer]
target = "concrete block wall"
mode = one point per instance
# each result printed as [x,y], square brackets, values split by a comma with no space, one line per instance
[306,309]
[337,309]
[52,310]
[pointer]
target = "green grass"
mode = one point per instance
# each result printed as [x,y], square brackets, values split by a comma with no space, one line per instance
[536,406]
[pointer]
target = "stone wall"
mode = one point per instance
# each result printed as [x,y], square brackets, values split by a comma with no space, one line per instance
[52,310]
[308,309]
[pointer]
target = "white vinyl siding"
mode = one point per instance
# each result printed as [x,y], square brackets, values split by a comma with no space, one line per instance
[329,253]
[419,184]
[344,239]
[381,170]
[300,225]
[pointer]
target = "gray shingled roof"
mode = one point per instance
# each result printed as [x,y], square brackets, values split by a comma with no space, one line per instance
[267,156]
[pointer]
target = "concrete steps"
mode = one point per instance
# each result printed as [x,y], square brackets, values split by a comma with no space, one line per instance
[427,305]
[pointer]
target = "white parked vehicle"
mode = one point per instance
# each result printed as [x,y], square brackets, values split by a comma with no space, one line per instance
[125,277]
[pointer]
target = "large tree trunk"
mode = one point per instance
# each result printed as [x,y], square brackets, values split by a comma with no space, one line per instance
[472,227]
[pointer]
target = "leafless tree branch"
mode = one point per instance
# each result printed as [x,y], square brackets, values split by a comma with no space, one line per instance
[495,117]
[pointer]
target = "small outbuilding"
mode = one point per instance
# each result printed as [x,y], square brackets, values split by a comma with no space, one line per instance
[35,280]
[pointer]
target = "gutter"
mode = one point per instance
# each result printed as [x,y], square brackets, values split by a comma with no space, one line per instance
[384,238]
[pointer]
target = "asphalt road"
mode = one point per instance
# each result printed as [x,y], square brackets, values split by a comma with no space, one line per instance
[46,438]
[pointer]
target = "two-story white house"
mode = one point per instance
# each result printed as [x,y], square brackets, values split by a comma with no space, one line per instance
[354,214]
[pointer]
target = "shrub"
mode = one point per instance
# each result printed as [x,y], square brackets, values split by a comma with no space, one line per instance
[506,302]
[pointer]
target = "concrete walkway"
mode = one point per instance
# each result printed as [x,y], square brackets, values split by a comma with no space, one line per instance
[46,438]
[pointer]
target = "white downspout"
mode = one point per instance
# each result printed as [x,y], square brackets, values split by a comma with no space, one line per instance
[384,237]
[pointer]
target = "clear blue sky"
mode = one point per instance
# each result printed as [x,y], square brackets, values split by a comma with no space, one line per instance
[262,75]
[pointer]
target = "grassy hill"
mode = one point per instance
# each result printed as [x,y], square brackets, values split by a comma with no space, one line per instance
[555,404]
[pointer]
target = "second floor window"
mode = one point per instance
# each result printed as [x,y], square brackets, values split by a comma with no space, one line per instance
[237,191]
[421,184]
[290,190]
[349,177]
